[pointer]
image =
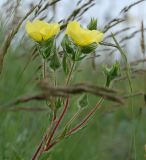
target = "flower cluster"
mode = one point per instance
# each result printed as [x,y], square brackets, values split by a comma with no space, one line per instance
[41,31]
[76,44]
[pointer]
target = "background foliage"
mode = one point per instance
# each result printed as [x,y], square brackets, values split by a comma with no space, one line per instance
[108,134]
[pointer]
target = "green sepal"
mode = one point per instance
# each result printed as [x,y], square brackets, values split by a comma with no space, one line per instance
[63,134]
[93,24]
[71,50]
[89,48]
[111,73]
[65,64]
[54,60]
[45,48]
[78,56]
[67,45]
[83,102]
[58,103]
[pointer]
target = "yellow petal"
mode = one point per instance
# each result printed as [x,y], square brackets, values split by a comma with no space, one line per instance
[41,30]
[38,24]
[99,36]
[81,36]
[29,27]
[36,36]
[73,30]
[32,31]
[51,31]
[72,25]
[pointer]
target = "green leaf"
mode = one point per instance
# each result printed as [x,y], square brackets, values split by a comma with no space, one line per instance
[77,54]
[83,101]
[67,45]
[80,58]
[59,103]
[65,64]
[54,61]
[63,134]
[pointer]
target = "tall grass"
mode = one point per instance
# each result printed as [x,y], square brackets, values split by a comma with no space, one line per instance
[24,114]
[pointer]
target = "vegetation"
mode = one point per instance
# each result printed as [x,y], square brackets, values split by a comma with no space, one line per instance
[57,101]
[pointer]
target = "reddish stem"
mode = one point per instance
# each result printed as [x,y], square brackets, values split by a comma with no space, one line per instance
[51,145]
[44,138]
[80,125]
[38,149]
[57,124]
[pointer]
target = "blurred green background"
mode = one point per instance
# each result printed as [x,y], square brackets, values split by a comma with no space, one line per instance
[109,134]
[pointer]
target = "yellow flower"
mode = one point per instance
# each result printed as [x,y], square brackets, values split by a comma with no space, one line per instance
[41,31]
[81,36]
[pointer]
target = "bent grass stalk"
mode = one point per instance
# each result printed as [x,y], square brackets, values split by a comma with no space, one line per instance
[133,128]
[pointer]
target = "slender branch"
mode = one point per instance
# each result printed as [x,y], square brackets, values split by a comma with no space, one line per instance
[44,68]
[85,120]
[57,124]
[38,151]
[70,73]
[79,126]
